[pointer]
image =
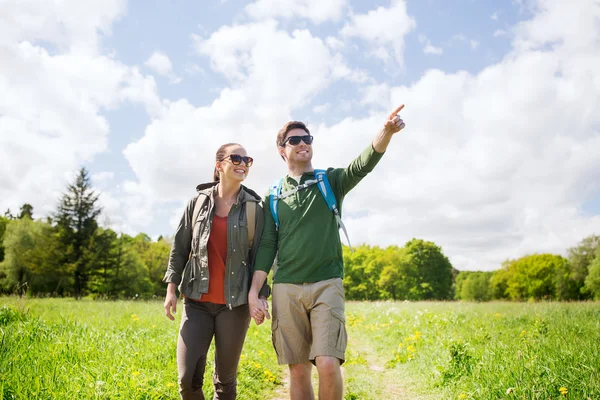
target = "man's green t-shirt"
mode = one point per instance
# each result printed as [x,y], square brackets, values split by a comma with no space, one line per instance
[308,245]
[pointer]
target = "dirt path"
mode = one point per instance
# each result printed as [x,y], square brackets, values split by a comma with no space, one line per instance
[388,379]
[283,391]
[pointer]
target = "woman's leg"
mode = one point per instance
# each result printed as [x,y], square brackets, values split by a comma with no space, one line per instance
[231,327]
[195,334]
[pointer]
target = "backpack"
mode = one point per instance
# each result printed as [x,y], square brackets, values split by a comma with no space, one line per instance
[324,187]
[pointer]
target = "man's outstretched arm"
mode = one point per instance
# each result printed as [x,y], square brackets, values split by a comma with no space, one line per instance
[393,124]
[345,179]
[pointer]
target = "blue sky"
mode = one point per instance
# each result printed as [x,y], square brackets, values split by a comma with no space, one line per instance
[497,160]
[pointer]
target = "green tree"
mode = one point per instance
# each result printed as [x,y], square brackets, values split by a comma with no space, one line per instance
[433,269]
[361,271]
[592,280]
[398,275]
[26,211]
[533,276]
[76,223]
[106,253]
[580,257]
[19,241]
[3,223]
[499,281]
[473,286]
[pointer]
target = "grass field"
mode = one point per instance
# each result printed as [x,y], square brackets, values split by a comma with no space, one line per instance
[66,349]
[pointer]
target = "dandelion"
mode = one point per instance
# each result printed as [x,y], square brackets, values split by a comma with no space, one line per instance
[462,396]
[170,384]
[153,326]
[134,317]
[563,390]
[135,373]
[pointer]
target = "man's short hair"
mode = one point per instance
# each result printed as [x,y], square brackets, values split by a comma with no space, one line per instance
[288,127]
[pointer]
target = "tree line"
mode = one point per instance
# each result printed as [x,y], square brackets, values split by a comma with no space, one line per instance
[69,254]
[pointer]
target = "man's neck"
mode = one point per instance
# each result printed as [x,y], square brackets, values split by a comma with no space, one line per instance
[299,169]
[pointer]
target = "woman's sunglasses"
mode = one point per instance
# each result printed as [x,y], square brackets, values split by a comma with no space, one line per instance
[236,159]
[295,140]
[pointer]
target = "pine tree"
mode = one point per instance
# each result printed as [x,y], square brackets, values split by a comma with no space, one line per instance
[76,220]
[26,211]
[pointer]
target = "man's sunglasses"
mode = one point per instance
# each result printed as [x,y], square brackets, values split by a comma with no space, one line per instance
[236,159]
[295,140]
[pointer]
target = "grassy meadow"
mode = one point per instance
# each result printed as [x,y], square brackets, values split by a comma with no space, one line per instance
[67,349]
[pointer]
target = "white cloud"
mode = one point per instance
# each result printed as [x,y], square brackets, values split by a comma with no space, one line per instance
[102,177]
[50,110]
[159,63]
[317,11]
[322,108]
[494,16]
[384,27]
[269,75]
[429,48]
[474,44]
[493,165]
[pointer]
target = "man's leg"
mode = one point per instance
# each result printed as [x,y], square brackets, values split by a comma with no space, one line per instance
[300,385]
[329,336]
[331,385]
[291,335]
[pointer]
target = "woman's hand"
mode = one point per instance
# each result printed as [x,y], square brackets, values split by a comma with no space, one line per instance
[170,301]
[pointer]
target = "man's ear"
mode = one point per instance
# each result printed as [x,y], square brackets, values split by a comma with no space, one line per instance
[282,152]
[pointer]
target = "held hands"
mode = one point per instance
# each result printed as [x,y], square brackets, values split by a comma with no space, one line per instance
[394,123]
[258,307]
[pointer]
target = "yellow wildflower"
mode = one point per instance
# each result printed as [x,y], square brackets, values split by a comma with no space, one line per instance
[462,396]
[563,390]
[170,384]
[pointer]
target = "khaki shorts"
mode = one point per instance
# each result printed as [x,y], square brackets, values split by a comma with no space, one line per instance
[308,321]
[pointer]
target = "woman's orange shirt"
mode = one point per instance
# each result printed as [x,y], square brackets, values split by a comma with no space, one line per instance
[217,259]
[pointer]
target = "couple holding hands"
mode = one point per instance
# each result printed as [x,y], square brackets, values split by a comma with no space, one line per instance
[223,250]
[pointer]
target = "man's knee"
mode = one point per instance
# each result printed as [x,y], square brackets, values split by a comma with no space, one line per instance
[328,365]
[300,371]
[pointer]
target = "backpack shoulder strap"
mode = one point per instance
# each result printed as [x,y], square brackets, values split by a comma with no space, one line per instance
[274,193]
[326,191]
[329,196]
[251,218]
[197,206]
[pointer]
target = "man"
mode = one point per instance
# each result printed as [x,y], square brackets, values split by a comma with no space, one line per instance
[308,295]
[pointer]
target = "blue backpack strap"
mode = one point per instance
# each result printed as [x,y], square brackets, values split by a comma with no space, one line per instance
[326,191]
[329,196]
[274,193]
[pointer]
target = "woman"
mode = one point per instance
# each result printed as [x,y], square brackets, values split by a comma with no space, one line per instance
[211,261]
